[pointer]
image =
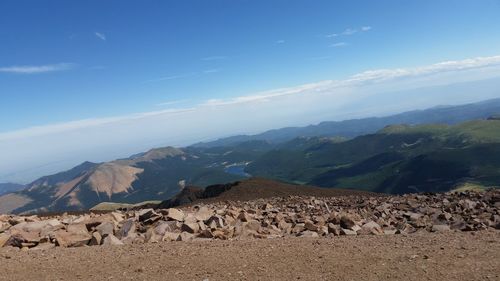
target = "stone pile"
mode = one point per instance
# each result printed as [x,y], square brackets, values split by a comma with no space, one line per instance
[263,218]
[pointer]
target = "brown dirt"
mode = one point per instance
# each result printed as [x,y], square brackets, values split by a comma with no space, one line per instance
[421,256]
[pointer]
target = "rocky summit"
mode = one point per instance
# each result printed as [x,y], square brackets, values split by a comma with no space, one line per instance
[297,216]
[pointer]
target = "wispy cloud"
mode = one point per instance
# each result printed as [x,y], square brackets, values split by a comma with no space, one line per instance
[349,31]
[34,69]
[172,102]
[339,44]
[278,42]
[213,70]
[369,77]
[366,77]
[173,77]
[101,36]
[266,95]
[185,75]
[212,58]
[382,75]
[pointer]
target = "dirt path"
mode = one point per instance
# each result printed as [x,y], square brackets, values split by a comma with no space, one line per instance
[423,256]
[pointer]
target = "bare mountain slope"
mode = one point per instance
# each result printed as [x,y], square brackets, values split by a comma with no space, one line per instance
[154,175]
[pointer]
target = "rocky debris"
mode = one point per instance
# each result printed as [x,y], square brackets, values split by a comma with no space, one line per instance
[111,240]
[263,218]
[440,228]
[175,214]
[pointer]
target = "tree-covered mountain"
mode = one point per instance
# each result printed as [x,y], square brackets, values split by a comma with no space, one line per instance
[356,127]
[397,159]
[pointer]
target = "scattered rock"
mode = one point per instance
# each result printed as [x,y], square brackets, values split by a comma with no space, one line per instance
[344,231]
[43,247]
[203,214]
[190,227]
[262,219]
[171,236]
[111,240]
[128,229]
[372,227]
[310,234]
[97,239]
[347,222]
[186,236]
[72,237]
[175,214]
[3,239]
[105,229]
[440,228]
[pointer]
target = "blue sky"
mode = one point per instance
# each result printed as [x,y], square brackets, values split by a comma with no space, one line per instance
[68,65]
[248,46]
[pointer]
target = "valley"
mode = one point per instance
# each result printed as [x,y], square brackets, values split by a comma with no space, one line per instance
[397,159]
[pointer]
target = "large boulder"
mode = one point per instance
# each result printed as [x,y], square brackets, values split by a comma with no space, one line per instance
[192,227]
[371,227]
[111,240]
[347,222]
[175,214]
[203,214]
[75,235]
[4,237]
[128,229]
[106,228]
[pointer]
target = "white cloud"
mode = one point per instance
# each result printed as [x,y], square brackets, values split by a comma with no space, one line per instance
[281,41]
[380,75]
[339,44]
[172,102]
[185,75]
[100,36]
[173,77]
[349,31]
[363,78]
[266,95]
[34,69]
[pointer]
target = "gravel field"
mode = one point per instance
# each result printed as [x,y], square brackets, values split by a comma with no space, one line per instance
[420,256]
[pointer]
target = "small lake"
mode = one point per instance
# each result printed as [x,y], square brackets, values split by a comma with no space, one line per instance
[238,170]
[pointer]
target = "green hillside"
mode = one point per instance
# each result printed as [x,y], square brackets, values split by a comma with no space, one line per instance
[397,159]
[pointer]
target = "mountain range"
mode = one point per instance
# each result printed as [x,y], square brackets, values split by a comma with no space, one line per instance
[356,127]
[10,187]
[394,154]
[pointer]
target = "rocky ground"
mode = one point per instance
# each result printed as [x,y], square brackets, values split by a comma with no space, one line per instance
[292,216]
[420,256]
[451,236]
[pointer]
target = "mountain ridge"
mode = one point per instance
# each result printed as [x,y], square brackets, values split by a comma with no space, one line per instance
[363,162]
[451,114]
